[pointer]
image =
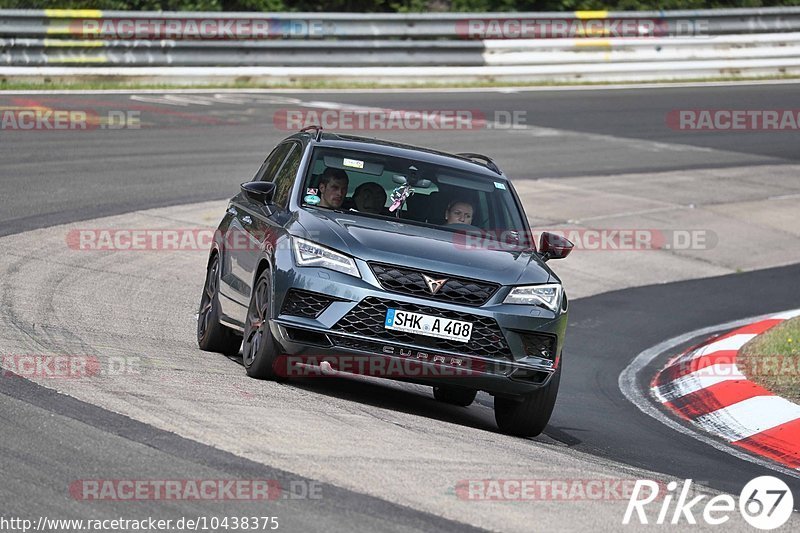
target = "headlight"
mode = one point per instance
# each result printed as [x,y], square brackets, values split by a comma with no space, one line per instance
[548,295]
[307,253]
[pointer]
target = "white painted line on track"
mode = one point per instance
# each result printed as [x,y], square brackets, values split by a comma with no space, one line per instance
[787,315]
[628,385]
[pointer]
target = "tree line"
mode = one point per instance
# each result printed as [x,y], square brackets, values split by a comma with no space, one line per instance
[387,6]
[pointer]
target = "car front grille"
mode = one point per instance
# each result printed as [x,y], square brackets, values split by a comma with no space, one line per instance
[368,319]
[455,290]
[306,304]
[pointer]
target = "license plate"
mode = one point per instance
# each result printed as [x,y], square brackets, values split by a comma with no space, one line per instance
[430,326]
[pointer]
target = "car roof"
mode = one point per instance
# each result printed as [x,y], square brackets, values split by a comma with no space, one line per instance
[391,148]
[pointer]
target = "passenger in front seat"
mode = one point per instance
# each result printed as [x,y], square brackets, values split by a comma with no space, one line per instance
[458,212]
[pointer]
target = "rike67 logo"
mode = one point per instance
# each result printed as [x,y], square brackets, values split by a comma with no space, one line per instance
[765,503]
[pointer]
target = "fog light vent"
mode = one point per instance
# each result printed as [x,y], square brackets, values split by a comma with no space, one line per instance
[543,346]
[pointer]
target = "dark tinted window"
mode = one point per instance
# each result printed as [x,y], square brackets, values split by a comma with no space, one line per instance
[370,180]
[273,163]
[287,174]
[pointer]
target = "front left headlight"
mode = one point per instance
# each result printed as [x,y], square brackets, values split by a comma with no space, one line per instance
[307,253]
[548,295]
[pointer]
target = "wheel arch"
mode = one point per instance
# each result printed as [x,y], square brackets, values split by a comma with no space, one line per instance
[214,252]
[265,264]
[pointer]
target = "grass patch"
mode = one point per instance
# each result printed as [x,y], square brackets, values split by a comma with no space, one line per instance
[8,84]
[773,359]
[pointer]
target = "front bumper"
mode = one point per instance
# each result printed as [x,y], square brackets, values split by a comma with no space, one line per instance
[339,319]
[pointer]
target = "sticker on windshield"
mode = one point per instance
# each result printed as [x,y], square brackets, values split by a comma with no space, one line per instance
[354,163]
[311,191]
[311,199]
[498,185]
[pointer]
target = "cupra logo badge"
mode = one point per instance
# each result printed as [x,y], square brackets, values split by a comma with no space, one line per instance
[434,284]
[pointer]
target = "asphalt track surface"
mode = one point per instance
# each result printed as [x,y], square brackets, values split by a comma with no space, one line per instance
[190,153]
[50,440]
[606,330]
[199,152]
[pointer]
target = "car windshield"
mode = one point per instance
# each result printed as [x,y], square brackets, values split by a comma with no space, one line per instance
[421,193]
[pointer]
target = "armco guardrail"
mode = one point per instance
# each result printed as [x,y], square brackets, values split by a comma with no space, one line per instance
[591,46]
[43,52]
[87,22]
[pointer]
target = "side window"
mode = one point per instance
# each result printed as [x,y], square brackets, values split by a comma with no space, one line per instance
[286,176]
[273,163]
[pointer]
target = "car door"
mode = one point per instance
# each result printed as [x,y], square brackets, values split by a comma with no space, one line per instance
[237,263]
[261,228]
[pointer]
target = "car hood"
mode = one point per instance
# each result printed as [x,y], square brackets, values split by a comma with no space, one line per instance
[419,247]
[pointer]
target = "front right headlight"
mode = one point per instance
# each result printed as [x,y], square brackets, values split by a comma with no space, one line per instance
[548,295]
[307,253]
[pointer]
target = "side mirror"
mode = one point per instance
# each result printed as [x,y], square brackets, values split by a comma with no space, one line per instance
[552,246]
[259,191]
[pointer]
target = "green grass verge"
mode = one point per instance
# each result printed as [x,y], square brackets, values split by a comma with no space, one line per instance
[772,359]
[11,85]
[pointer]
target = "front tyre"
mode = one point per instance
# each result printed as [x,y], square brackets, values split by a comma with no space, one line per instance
[260,350]
[211,335]
[529,417]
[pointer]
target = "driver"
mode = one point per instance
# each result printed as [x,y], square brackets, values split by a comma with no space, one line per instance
[333,187]
[458,212]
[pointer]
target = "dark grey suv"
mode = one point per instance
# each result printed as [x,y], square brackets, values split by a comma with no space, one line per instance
[347,254]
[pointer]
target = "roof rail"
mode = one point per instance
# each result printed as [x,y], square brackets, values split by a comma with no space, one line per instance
[318,129]
[490,164]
